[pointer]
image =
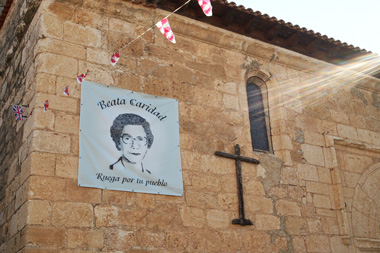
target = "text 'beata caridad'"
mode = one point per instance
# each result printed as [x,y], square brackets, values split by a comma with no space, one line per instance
[133,102]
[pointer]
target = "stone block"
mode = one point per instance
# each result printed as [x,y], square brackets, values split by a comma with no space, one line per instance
[145,201]
[75,193]
[47,188]
[330,157]
[337,245]
[330,226]
[335,176]
[325,212]
[207,97]
[230,241]
[336,196]
[347,132]
[66,123]
[112,216]
[313,154]
[151,240]
[201,198]
[306,122]
[307,172]
[45,236]
[75,145]
[355,163]
[229,185]
[350,179]
[259,205]
[217,219]
[176,240]
[114,197]
[339,117]
[322,201]
[85,238]
[81,35]
[57,46]
[66,166]
[57,103]
[314,226]
[69,214]
[286,208]
[299,244]
[45,83]
[230,102]
[160,218]
[129,81]
[267,222]
[314,138]
[22,194]
[256,240]
[98,56]
[89,18]
[327,127]
[62,82]
[193,217]
[324,175]
[44,141]
[317,243]
[61,10]
[37,164]
[99,74]
[205,182]
[119,240]
[43,120]
[315,187]
[119,25]
[39,212]
[228,201]
[296,226]
[254,187]
[51,26]
[226,87]
[57,64]
[289,176]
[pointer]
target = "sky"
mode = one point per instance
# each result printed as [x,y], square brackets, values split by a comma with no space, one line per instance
[354,22]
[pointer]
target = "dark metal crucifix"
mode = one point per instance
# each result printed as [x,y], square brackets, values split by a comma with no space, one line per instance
[238,158]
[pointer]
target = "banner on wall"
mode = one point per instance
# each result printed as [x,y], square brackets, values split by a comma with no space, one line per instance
[128,141]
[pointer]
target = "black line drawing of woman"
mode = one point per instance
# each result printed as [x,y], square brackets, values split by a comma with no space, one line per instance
[133,137]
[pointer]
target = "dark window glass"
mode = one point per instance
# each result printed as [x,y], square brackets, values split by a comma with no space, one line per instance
[259,133]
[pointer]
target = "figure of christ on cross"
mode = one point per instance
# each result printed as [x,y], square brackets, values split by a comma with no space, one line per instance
[238,158]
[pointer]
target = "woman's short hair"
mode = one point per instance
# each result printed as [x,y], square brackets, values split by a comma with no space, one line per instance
[129,119]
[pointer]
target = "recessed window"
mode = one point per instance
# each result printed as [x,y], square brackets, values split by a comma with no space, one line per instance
[259,114]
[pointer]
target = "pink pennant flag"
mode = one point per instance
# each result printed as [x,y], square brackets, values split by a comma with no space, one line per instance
[46,105]
[81,78]
[115,58]
[206,7]
[165,29]
[66,91]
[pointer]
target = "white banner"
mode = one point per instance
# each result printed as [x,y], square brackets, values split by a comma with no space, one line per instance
[128,141]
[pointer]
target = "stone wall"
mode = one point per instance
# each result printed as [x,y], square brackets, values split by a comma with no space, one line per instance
[320,114]
[18,37]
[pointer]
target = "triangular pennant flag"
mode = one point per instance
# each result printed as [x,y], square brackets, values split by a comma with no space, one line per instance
[206,7]
[66,91]
[46,105]
[115,58]
[18,112]
[165,29]
[81,78]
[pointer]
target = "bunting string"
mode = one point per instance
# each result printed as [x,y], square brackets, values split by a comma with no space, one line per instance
[150,28]
[162,25]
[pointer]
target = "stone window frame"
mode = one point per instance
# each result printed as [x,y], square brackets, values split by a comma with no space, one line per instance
[258,79]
